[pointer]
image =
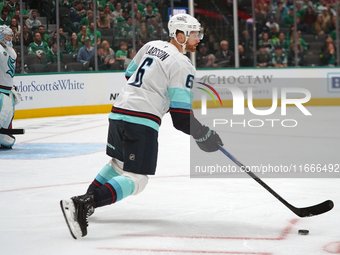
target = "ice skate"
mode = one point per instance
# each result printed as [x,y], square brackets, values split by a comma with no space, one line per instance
[76,212]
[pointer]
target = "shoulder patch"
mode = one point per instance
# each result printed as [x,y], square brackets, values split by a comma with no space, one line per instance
[5,53]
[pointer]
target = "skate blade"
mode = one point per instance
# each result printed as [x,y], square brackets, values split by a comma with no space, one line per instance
[68,209]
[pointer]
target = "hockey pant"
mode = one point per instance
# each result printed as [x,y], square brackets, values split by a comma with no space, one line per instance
[6,116]
[112,184]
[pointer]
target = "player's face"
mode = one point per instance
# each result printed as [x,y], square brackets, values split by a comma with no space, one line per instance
[8,37]
[193,41]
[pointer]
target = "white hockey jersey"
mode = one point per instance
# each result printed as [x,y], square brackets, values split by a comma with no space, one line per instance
[161,77]
[7,68]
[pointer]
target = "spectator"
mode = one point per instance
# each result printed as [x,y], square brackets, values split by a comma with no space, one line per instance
[281,41]
[77,13]
[15,24]
[62,39]
[16,35]
[74,45]
[136,11]
[90,34]
[52,56]
[28,38]
[274,34]
[266,42]
[271,23]
[300,11]
[4,19]
[108,52]
[159,34]
[289,19]
[38,47]
[128,59]
[118,11]
[319,27]
[281,12]
[108,14]
[82,34]
[92,8]
[86,52]
[279,59]
[11,5]
[211,61]
[150,13]
[263,58]
[87,20]
[104,63]
[44,37]
[225,57]
[302,26]
[126,31]
[333,33]
[301,42]
[291,56]
[143,36]
[332,25]
[202,56]
[111,4]
[328,40]
[246,41]
[261,7]
[245,60]
[139,20]
[16,13]
[102,21]
[153,26]
[327,58]
[307,3]
[122,53]
[310,16]
[32,22]
[326,15]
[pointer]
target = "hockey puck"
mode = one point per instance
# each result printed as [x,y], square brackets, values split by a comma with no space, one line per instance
[303,232]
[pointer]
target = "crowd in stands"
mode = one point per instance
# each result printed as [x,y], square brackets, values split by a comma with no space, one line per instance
[316,37]
[275,41]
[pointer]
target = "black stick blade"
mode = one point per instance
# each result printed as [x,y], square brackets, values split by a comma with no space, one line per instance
[314,210]
[12,131]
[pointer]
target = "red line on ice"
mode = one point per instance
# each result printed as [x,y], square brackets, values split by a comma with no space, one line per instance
[282,236]
[188,251]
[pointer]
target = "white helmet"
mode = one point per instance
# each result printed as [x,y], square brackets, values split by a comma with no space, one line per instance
[185,23]
[5,30]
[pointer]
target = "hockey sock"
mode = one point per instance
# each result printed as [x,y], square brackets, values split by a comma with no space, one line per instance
[113,191]
[103,176]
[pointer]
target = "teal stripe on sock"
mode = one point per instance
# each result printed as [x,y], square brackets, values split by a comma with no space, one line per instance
[123,186]
[106,174]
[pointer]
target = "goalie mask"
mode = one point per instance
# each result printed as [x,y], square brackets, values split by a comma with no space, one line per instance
[186,24]
[6,35]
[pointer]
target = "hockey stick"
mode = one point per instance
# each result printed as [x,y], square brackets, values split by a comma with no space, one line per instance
[301,212]
[12,131]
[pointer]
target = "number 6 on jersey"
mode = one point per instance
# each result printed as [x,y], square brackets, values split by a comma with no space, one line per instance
[140,73]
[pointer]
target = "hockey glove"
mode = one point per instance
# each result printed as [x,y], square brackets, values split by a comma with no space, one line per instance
[16,96]
[207,139]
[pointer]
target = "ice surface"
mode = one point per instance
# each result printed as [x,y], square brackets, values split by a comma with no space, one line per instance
[175,214]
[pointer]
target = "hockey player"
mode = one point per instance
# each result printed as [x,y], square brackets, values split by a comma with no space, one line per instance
[8,95]
[160,78]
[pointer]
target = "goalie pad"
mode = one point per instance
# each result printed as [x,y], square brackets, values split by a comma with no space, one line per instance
[6,110]
[16,96]
[7,140]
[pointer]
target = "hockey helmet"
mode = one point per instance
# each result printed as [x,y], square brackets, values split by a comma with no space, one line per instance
[6,35]
[185,23]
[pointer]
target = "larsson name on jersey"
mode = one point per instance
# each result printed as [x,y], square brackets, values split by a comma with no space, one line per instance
[161,54]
